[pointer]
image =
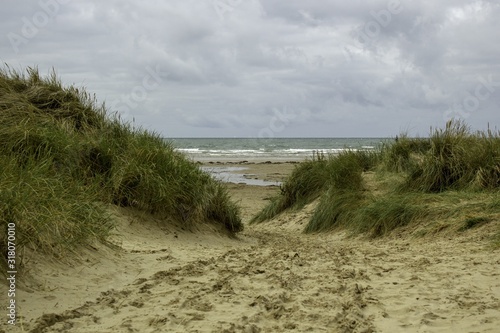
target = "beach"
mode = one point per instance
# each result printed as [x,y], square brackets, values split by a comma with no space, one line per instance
[271,277]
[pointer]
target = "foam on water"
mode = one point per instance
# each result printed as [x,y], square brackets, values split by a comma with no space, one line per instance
[280,149]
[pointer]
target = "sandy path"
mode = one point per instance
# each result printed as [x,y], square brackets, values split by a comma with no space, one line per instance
[302,283]
[274,279]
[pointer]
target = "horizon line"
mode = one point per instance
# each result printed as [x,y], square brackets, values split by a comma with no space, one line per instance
[297,137]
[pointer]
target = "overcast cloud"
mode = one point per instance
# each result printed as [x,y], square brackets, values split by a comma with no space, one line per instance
[283,68]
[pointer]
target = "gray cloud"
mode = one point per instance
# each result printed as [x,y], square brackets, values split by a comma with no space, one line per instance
[222,67]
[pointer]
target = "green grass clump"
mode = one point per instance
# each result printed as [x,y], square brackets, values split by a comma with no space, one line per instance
[434,183]
[303,185]
[335,210]
[368,159]
[458,159]
[402,154]
[385,214]
[305,182]
[63,161]
[356,212]
[313,177]
[472,222]
[51,213]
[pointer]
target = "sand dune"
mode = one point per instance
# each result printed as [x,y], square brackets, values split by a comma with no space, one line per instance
[271,278]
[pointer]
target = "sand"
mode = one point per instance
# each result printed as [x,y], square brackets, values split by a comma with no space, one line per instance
[271,278]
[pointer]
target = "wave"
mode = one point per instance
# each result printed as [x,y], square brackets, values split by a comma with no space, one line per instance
[297,152]
[296,149]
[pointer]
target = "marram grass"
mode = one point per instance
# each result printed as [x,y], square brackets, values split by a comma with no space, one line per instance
[64,160]
[313,177]
[458,159]
[450,180]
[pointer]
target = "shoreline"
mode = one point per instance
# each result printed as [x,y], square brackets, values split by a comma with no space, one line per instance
[224,160]
[250,172]
[267,173]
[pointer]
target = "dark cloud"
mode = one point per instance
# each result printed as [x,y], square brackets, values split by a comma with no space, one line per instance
[223,67]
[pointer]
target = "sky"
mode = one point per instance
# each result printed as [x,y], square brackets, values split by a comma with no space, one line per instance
[269,68]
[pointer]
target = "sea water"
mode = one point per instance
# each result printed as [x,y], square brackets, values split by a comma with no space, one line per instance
[273,149]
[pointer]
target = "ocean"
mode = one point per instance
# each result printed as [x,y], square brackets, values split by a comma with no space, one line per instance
[282,149]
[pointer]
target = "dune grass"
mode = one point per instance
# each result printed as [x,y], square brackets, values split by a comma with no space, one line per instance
[458,159]
[402,154]
[311,178]
[64,160]
[359,213]
[447,181]
[335,210]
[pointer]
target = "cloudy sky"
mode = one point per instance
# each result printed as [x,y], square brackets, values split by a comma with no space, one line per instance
[263,68]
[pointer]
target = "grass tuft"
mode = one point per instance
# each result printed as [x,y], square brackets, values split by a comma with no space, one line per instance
[403,153]
[335,210]
[313,177]
[458,159]
[473,222]
[383,215]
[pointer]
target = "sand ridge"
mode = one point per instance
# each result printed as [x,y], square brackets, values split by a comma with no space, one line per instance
[271,278]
